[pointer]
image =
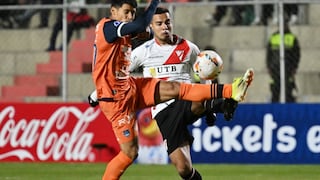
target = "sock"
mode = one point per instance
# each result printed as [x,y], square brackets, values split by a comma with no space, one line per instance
[201,92]
[227,91]
[194,175]
[117,166]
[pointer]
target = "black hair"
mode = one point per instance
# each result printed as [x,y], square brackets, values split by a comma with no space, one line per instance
[119,3]
[161,10]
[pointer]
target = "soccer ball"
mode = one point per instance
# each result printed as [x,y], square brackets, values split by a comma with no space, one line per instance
[208,65]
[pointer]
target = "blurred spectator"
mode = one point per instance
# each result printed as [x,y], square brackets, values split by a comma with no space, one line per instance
[182,1]
[266,11]
[262,13]
[6,16]
[24,19]
[291,58]
[237,15]
[77,18]
[21,22]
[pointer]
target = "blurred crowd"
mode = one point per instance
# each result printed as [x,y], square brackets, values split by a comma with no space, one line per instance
[21,18]
[258,14]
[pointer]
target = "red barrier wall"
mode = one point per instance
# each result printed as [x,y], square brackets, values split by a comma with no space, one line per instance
[55,133]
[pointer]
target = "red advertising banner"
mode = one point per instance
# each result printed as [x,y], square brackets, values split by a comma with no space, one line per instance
[55,132]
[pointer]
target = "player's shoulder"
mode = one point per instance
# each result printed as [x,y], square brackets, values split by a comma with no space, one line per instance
[149,43]
[190,43]
[145,46]
[111,23]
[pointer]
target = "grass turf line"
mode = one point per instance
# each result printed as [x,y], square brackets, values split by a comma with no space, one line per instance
[94,171]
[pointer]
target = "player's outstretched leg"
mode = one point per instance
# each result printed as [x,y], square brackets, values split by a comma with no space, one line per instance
[240,85]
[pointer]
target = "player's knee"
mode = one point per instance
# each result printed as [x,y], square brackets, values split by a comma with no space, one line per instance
[132,152]
[167,90]
[171,87]
[130,149]
[175,88]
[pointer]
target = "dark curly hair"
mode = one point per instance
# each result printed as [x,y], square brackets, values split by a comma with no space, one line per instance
[161,10]
[119,3]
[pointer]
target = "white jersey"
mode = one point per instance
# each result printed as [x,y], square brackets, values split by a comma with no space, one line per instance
[168,62]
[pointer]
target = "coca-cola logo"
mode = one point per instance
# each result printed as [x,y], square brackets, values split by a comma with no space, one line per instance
[48,136]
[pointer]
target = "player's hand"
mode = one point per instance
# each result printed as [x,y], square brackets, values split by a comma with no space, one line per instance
[229,108]
[144,36]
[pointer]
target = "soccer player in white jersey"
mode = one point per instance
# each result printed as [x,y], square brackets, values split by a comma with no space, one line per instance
[170,57]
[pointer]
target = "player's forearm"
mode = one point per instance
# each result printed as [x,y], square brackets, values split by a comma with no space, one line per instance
[150,11]
[140,24]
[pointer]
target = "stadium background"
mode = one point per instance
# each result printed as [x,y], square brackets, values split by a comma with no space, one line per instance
[23,56]
[34,80]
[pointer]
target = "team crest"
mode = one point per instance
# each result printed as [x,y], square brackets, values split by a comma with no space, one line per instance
[116,23]
[153,72]
[179,53]
[126,133]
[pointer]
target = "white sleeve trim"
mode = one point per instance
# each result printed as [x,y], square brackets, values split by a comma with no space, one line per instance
[119,29]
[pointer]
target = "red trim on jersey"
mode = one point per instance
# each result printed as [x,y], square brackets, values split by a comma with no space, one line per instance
[179,53]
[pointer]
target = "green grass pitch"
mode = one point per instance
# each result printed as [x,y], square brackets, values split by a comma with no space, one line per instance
[94,171]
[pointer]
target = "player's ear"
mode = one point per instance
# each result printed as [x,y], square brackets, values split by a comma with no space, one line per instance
[113,11]
[150,26]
